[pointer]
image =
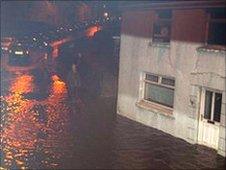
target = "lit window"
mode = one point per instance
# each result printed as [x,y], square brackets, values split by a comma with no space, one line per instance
[159,89]
[216,27]
[162,26]
[212,109]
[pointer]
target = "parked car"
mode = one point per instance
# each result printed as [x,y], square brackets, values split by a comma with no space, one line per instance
[19,55]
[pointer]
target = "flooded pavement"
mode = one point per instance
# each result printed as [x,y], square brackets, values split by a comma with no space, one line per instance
[39,130]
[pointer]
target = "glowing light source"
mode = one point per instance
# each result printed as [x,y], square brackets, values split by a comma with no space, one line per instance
[45,43]
[5,48]
[19,52]
[92,30]
[105,14]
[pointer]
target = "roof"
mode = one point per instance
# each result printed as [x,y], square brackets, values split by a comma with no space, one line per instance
[171,4]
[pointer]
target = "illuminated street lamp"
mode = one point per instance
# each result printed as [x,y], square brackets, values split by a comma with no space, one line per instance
[105,14]
[46,44]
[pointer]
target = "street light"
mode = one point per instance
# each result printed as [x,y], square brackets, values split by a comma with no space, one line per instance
[105,14]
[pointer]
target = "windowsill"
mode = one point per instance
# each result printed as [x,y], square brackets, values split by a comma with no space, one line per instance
[156,108]
[212,48]
[160,44]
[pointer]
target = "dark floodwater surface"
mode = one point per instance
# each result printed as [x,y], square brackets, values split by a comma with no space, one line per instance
[40,130]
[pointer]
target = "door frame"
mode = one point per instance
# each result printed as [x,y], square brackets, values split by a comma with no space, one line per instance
[201,119]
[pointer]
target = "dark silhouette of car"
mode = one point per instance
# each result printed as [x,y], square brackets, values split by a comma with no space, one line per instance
[19,55]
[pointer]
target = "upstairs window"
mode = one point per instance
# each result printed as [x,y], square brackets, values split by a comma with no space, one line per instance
[162,26]
[216,26]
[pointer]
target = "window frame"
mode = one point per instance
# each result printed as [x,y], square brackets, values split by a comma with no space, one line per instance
[159,83]
[161,21]
[212,105]
[210,20]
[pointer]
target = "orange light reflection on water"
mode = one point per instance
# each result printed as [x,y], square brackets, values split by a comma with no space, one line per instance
[20,135]
[90,32]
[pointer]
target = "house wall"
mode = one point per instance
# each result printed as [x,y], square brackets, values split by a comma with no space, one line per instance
[180,59]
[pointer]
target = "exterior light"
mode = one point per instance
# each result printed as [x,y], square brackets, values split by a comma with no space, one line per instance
[105,14]
[4,48]
[46,44]
[19,52]
[34,39]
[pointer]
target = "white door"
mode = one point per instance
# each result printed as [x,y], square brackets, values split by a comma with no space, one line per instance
[209,120]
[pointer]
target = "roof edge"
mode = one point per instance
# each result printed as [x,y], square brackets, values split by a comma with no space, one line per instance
[196,4]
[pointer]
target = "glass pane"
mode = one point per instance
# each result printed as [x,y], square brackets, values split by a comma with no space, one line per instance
[208,103]
[217,13]
[217,33]
[217,107]
[161,32]
[151,77]
[164,14]
[168,81]
[159,94]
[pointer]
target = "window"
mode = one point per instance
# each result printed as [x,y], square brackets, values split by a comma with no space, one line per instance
[162,26]
[216,27]
[159,89]
[212,109]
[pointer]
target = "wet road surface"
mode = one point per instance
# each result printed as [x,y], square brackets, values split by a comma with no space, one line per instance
[39,130]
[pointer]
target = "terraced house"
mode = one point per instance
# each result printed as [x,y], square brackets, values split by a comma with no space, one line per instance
[172,70]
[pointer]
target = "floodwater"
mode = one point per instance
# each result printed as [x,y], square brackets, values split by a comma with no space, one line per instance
[41,129]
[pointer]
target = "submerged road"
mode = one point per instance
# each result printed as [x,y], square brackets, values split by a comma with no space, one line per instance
[39,130]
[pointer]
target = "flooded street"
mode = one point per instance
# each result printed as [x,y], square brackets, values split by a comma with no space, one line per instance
[113,85]
[40,131]
[33,129]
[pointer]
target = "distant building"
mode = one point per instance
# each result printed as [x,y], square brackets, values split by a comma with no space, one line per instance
[172,72]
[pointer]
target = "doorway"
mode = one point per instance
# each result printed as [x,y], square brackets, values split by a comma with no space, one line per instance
[209,117]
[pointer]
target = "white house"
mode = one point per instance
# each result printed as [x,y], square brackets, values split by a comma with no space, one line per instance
[172,69]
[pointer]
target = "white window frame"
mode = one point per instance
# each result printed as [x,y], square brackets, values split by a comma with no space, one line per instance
[212,104]
[159,83]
